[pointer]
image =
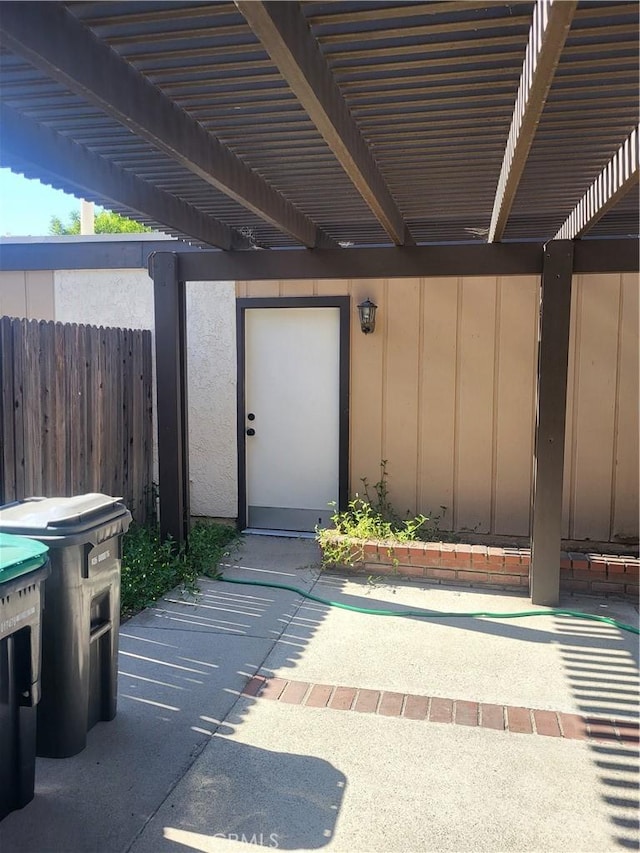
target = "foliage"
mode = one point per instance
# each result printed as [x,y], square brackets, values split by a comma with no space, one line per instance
[372,518]
[380,501]
[151,567]
[105,222]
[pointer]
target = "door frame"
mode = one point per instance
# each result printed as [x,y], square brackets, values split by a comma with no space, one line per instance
[343,303]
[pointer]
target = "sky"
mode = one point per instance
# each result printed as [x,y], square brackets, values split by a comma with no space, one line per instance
[26,206]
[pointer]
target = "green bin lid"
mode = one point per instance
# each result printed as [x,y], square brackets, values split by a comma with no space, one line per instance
[19,555]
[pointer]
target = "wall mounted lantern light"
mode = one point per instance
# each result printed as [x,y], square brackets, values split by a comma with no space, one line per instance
[367,314]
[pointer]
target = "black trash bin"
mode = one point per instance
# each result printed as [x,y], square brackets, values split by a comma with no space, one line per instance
[24,566]
[80,625]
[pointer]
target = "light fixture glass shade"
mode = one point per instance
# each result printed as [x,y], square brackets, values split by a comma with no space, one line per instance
[367,314]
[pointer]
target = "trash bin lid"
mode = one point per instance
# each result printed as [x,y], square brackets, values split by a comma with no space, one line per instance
[19,555]
[44,515]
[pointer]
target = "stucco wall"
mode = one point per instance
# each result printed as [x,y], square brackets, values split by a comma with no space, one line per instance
[445,392]
[211,337]
[125,298]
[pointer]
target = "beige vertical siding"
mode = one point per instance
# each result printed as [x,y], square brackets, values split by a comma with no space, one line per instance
[445,392]
[624,508]
[516,356]
[27,294]
[401,321]
[367,391]
[474,404]
[601,486]
[437,428]
[596,350]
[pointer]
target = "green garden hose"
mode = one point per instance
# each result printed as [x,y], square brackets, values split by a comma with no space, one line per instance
[435,614]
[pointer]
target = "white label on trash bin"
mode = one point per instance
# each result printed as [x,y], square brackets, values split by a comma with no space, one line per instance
[101,557]
[12,621]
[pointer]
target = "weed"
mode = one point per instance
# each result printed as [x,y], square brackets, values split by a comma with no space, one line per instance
[371,518]
[380,501]
[151,567]
[207,545]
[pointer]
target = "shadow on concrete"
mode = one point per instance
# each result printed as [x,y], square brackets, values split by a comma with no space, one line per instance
[238,792]
[602,669]
[183,664]
[600,663]
[332,585]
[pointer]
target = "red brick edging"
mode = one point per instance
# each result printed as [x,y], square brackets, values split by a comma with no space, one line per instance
[445,562]
[434,709]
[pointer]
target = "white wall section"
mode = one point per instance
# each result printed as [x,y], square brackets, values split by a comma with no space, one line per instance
[211,344]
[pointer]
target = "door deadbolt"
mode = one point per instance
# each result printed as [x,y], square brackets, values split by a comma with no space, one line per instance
[251,416]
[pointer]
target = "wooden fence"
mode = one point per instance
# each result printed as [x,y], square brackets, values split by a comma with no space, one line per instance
[75,412]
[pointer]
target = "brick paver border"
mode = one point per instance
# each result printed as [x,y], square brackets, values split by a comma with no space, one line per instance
[499,568]
[435,709]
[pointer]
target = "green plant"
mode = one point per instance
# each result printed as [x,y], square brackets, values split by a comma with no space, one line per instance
[207,545]
[371,518]
[380,501]
[151,567]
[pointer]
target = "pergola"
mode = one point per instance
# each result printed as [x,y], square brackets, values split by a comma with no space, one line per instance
[342,139]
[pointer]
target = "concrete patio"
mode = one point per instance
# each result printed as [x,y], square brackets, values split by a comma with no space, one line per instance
[193,763]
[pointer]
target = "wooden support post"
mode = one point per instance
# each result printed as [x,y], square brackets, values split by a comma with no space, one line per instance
[553,359]
[171,382]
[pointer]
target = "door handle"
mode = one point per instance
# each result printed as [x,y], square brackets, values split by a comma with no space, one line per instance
[251,431]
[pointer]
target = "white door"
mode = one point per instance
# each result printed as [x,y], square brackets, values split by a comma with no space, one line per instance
[292,381]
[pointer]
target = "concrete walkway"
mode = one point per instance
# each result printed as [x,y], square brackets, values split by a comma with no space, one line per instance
[190,763]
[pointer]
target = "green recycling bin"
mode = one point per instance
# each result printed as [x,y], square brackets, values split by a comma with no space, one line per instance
[82,619]
[24,566]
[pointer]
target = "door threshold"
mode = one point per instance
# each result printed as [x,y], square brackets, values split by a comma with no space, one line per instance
[284,534]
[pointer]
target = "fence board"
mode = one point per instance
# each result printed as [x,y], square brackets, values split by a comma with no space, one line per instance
[7,442]
[32,411]
[61,450]
[75,411]
[105,420]
[147,421]
[123,433]
[93,405]
[80,371]
[47,403]
[137,437]
[18,411]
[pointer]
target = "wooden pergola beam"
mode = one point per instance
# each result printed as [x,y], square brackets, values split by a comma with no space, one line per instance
[395,262]
[548,33]
[53,40]
[614,181]
[285,35]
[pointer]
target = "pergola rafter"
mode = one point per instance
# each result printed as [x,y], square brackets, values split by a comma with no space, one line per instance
[287,39]
[548,33]
[50,38]
[612,184]
[55,157]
